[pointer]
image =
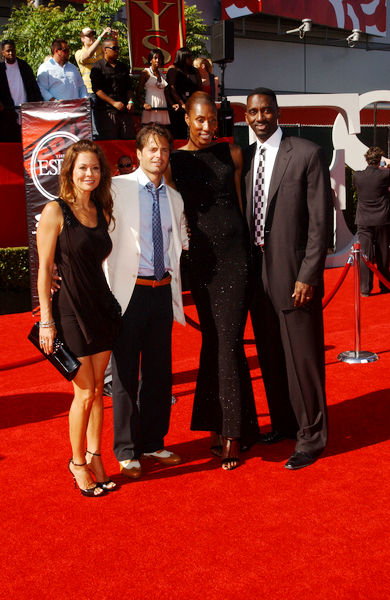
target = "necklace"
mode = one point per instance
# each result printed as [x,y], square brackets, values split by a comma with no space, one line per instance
[157,74]
[159,83]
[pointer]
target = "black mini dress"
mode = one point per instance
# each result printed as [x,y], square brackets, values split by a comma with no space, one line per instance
[86,313]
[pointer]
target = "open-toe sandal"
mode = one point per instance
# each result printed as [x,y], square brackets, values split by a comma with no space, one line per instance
[105,485]
[230,454]
[90,492]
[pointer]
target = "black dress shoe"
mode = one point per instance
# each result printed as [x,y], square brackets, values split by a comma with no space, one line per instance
[299,460]
[107,389]
[272,437]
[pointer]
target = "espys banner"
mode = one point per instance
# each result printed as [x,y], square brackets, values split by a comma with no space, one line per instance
[48,129]
[154,24]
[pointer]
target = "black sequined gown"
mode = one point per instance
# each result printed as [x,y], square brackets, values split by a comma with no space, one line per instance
[86,313]
[218,272]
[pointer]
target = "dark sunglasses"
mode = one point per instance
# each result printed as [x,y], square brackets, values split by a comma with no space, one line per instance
[116,48]
[124,166]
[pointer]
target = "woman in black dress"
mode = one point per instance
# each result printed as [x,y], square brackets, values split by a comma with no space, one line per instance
[207,175]
[183,80]
[73,234]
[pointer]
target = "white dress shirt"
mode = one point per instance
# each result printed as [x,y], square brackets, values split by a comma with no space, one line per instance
[271,147]
[146,263]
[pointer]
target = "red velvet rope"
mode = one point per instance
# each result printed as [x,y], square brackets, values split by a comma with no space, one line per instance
[343,275]
[191,322]
[375,270]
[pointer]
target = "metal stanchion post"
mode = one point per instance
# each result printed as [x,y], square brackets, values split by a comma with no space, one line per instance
[357,355]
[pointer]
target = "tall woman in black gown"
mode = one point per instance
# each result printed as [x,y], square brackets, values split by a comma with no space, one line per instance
[72,233]
[207,175]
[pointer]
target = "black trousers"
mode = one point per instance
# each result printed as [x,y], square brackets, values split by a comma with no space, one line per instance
[142,373]
[114,124]
[375,244]
[290,347]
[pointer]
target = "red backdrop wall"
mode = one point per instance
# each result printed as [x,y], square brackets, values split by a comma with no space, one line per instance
[13,224]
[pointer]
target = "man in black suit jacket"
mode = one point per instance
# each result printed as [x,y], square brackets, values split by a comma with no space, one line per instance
[373,218]
[23,88]
[288,260]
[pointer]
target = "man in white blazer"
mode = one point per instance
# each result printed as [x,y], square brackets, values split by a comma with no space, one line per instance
[143,272]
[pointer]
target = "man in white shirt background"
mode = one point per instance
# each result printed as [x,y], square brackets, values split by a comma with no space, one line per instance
[17,85]
[57,78]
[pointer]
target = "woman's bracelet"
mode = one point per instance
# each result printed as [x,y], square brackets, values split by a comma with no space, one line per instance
[99,38]
[46,324]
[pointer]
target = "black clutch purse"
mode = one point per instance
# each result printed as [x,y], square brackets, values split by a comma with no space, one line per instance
[61,358]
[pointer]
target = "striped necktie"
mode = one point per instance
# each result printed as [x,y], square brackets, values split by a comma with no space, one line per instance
[258,202]
[158,245]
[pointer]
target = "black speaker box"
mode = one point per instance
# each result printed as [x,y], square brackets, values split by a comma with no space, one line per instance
[222,41]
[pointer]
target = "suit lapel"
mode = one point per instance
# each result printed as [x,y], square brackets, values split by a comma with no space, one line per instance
[128,202]
[282,159]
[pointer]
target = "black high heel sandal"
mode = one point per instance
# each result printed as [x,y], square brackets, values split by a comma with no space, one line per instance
[90,492]
[103,484]
[230,454]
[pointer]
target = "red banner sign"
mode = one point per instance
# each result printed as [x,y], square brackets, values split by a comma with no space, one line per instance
[154,24]
[367,15]
[48,129]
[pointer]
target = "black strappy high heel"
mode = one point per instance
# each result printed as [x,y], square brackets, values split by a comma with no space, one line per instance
[90,492]
[103,484]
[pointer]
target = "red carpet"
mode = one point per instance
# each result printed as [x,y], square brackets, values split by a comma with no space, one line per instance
[193,531]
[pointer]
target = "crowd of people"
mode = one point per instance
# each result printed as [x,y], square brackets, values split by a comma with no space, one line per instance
[106,81]
[257,227]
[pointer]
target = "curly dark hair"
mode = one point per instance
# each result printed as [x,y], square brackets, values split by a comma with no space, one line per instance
[102,194]
[7,43]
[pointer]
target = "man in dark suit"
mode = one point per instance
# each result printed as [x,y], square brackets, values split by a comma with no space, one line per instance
[289,210]
[373,218]
[17,85]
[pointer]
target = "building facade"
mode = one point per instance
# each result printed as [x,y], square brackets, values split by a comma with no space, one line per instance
[320,62]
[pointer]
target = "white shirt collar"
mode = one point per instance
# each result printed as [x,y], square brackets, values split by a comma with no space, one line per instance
[143,179]
[272,142]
